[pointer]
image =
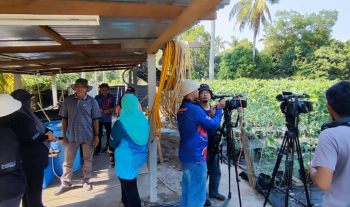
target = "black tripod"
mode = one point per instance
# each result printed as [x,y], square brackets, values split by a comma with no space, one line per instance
[231,152]
[289,144]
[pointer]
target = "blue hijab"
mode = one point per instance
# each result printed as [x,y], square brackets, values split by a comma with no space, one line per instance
[133,120]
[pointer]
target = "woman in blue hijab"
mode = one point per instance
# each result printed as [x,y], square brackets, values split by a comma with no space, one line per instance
[129,137]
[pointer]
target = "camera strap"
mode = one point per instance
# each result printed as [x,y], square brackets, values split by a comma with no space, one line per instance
[341,122]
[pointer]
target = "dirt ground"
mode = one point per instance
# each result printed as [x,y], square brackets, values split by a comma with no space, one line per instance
[171,173]
[107,191]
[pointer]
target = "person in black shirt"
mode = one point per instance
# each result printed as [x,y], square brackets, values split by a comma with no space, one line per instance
[12,180]
[35,141]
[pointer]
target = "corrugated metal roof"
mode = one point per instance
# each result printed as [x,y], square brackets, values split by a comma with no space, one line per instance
[21,33]
[115,28]
[110,30]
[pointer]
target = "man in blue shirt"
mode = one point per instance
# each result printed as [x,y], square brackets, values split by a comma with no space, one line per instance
[193,125]
[215,173]
[107,103]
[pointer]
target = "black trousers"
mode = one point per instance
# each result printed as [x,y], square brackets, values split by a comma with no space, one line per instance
[33,195]
[130,194]
[108,126]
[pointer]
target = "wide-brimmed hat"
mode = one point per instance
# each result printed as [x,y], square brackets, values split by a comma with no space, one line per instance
[83,82]
[188,86]
[8,105]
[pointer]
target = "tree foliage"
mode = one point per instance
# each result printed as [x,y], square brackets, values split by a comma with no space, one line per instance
[199,56]
[252,13]
[295,45]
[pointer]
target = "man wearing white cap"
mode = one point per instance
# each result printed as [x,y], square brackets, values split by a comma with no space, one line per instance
[12,180]
[193,126]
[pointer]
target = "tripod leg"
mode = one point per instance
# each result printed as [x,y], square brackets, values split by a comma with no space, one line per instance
[303,174]
[289,169]
[215,152]
[237,180]
[277,165]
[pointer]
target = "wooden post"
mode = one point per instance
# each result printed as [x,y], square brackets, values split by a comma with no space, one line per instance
[152,146]
[246,150]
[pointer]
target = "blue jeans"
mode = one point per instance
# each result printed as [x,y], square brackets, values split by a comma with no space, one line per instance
[194,179]
[214,177]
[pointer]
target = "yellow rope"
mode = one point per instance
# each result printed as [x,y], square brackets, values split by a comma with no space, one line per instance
[168,97]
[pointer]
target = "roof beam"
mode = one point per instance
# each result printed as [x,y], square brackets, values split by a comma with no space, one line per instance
[70,48]
[192,13]
[56,37]
[103,9]
[46,67]
[84,70]
[72,60]
[82,47]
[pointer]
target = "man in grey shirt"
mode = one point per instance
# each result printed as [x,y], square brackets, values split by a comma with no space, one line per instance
[80,112]
[330,167]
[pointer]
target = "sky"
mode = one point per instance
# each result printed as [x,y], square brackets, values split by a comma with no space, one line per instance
[341,30]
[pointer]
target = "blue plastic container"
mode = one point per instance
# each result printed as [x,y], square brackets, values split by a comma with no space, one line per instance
[48,174]
[58,161]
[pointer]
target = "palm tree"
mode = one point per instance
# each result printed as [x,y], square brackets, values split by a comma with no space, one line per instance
[251,13]
[234,42]
[219,44]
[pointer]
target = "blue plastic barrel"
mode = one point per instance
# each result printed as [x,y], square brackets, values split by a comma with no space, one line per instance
[48,174]
[58,161]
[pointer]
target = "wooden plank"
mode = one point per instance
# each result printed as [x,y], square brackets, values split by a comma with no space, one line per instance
[71,65]
[72,60]
[56,37]
[83,47]
[83,70]
[247,158]
[103,9]
[192,13]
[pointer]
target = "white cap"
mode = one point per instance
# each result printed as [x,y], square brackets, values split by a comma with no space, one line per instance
[188,86]
[8,105]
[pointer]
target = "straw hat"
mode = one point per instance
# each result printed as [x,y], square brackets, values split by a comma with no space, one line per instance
[8,105]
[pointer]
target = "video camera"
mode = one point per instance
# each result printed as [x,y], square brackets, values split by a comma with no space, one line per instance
[233,103]
[290,107]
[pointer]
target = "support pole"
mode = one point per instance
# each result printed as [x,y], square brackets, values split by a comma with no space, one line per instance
[134,79]
[103,76]
[82,74]
[18,81]
[212,53]
[130,78]
[152,157]
[96,82]
[54,90]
